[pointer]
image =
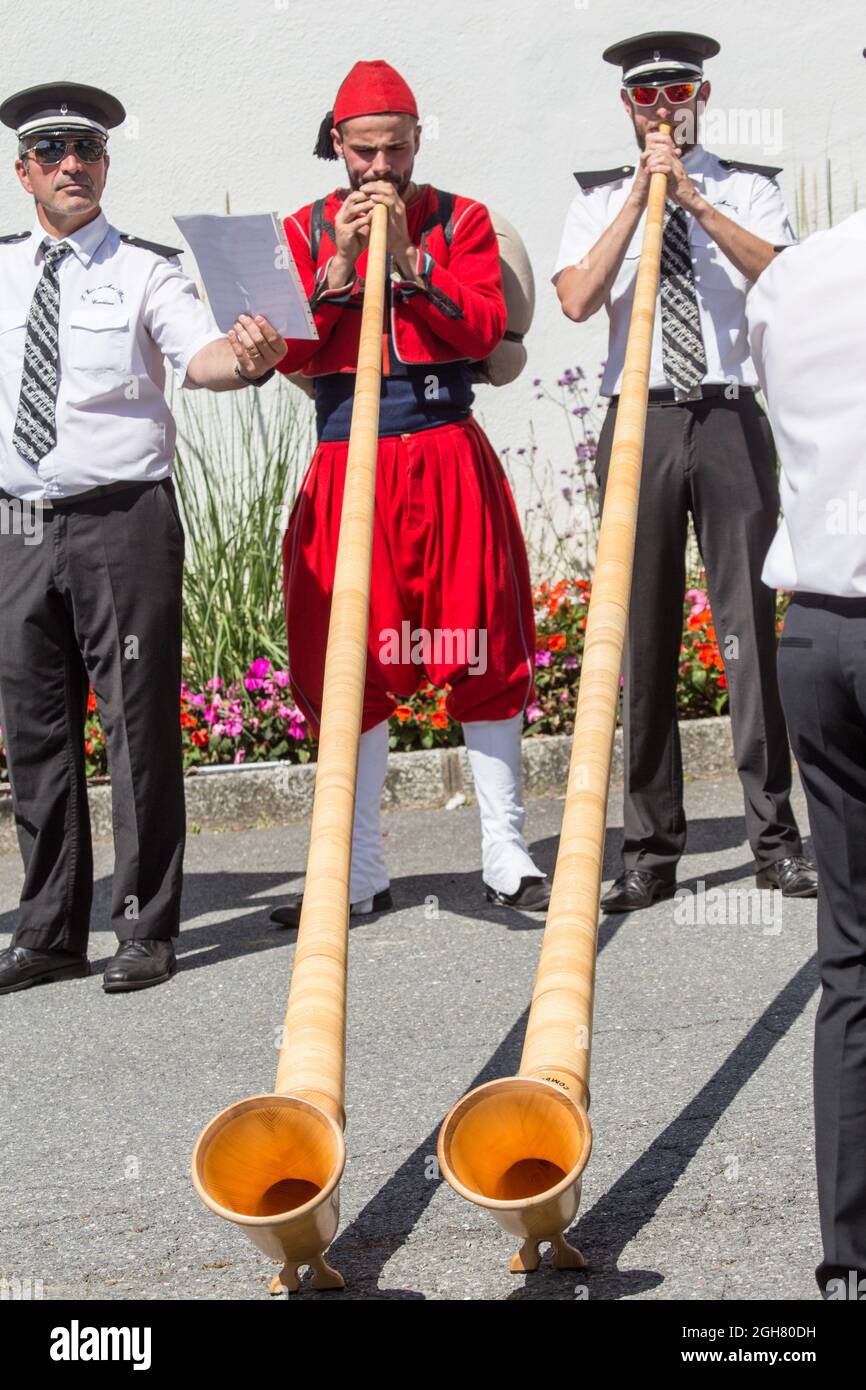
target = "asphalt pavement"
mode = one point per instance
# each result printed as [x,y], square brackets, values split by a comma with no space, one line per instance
[701,1183]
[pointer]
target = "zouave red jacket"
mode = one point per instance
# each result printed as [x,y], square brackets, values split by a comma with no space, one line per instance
[459,314]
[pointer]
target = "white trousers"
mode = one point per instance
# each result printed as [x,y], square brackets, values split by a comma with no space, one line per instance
[494,747]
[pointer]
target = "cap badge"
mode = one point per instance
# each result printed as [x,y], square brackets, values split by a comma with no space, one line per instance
[64,110]
[656,55]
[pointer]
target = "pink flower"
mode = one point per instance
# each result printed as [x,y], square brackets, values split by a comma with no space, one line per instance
[218,730]
[239,755]
[296,731]
[234,727]
[259,668]
[281,678]
[698,600]
[542,658]
[197,700]
[534,712]
[214,684]
[265,706]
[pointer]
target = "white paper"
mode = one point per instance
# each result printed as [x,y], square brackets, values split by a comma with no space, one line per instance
[247,268]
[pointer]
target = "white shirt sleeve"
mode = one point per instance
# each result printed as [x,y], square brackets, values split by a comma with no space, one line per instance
[175,317]
[767,216]
[579,235]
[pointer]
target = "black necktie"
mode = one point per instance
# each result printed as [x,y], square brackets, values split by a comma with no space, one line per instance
[684,359]
[35,432]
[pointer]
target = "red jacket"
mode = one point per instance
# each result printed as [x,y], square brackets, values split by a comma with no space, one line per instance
[458,316]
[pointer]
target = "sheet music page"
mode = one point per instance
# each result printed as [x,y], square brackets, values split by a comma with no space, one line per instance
[247,268]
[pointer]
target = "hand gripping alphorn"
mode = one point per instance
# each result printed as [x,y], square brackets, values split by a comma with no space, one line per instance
[273,1163]
[518,1146]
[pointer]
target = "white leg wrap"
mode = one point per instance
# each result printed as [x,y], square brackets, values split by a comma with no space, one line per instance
[494,756]
[369,874]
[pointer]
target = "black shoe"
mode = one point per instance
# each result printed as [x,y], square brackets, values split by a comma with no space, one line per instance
[290,914]
[138,965]
[794,875]
[533,895]
[637,888]
[20,967]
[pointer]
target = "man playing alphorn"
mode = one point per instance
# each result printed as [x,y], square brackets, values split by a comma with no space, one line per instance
[709,451]
[449,563]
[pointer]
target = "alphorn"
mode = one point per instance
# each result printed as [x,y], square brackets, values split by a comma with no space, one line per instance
[518,1146]
[272,1163]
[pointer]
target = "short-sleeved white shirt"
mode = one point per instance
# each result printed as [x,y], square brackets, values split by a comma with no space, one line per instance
[123,309]
[807,324]
[752,200]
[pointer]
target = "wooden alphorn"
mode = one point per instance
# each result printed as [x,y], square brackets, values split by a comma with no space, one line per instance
[273,1163]
[518,1146]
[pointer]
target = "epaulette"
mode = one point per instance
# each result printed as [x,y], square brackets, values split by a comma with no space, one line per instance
[14,236]
[150,245]
[766,169]
[594,178]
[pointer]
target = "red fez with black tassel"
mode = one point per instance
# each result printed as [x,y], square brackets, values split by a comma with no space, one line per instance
[370,89]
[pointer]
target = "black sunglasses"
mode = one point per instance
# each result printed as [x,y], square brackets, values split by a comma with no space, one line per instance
[87,149]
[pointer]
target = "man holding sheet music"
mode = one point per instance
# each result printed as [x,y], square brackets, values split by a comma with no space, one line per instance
[91,576]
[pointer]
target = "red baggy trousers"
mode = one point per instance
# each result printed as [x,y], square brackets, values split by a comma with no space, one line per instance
[450,595]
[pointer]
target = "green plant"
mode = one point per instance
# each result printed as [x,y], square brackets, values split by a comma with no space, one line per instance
[239,464]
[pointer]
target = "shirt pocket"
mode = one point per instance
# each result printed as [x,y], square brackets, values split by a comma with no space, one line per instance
[13,324]
[100,340]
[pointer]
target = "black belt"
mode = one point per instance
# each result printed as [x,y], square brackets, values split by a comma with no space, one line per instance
[53,503]
[708,391]
[851,606]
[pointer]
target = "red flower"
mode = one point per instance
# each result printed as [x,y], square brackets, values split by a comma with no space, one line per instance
[91,703]
[556,643]
[188,721]
[403,712]
[439,720]
[88,747]
[200,738]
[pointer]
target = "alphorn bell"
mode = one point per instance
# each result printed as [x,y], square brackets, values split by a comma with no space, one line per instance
[273,1163]
[519,1146]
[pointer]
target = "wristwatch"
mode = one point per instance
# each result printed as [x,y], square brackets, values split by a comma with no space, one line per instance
[254,380]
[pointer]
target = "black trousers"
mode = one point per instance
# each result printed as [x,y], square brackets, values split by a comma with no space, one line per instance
[822,674]
[97,601]
[714,459]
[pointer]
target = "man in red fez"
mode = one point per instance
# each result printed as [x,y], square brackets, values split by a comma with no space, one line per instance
[450,598]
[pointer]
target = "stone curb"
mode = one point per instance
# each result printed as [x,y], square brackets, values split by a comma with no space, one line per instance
[248,796]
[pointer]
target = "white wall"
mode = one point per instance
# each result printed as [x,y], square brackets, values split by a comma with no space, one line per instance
[227,97]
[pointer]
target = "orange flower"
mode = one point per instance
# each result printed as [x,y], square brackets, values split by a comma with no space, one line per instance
[439,720]
[188,721]
[91,703]
[200,738]
[556,643]
[403,712]
[694,623]
[88,747]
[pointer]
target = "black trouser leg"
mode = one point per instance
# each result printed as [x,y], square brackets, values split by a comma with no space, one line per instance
[735,503]
[654,833]
[124,574]
[43,699]
[822,673]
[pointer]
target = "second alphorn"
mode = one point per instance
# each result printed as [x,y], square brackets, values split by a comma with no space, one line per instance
[518,1146]
[272,1163]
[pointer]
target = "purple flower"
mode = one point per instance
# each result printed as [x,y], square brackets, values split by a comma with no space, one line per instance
[542,658]
[569,663]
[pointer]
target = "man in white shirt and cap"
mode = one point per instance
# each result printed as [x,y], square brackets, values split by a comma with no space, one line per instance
[807,322]
[91,545]
[709,451]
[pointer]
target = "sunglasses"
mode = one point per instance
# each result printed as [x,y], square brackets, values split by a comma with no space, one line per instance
[88,150]
[675,94]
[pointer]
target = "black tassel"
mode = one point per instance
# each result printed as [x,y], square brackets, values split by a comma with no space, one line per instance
[324,147]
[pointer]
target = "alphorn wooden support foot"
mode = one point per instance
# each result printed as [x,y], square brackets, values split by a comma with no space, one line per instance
[528,1257]
[322,1276]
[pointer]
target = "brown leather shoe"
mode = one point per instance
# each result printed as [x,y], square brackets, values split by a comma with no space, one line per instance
[794,875]
[637,888]
[21,967]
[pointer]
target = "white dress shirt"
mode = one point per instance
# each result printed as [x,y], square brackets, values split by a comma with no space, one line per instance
[807,322]
[751,200]
[123,308]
